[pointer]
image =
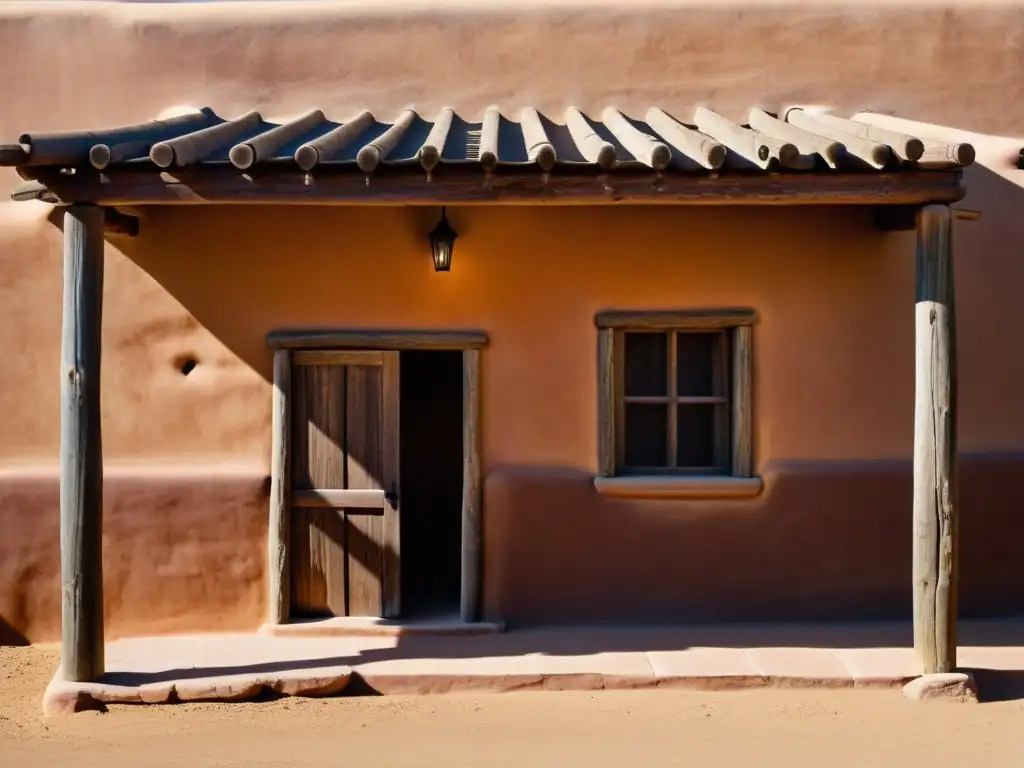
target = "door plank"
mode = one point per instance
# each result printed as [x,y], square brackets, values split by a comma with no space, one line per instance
[391,535]
[318,535]
[318,562]
[363,417]
[326,431]
[365,560]
[300,430]
[364,465]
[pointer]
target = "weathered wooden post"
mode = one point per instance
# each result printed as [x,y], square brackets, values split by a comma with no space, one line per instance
[279,535]
[935,481]
[81,449]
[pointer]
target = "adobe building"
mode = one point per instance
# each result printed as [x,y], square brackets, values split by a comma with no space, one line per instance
[664,373]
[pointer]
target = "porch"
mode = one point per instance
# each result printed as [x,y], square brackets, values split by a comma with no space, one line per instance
[221,667]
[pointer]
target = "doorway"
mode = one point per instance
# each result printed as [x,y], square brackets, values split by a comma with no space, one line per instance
[431,444]
[375,503]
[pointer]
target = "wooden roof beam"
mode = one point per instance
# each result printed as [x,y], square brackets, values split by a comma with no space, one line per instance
[73,147]
[593,148]
[262,147]
[753,146]
[644,147]
[937,153]
[907,148]
[193,147]
[808,143]
[12,155]
[871,152]
[489,139]
[371,155]
[698,149]
[323,148]
[430,153]
[538,148]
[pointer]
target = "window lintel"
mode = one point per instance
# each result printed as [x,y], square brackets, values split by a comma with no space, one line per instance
[669,320]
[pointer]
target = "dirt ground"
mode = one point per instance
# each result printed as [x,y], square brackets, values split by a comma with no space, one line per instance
[614,728]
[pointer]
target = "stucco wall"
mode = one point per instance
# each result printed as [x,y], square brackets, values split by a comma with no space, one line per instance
[833,352]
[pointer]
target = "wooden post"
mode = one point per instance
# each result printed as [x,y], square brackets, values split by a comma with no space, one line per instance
[935,480]
[81,448]
[472,544]
[279,532]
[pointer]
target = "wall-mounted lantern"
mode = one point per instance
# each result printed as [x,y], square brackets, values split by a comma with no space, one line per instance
[442,243]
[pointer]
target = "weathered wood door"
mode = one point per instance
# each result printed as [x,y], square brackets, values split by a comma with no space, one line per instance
[344,526]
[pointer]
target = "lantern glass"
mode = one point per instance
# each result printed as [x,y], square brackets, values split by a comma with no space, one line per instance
[442,244]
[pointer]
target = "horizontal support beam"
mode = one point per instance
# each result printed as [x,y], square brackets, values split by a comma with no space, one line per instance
[358,339]
[12,155]
[339,498]
[696,319]
[467,187]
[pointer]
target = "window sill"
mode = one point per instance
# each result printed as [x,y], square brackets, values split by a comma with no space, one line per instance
[682,487]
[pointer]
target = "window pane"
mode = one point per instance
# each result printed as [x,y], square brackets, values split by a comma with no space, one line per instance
[695,364]
[646,364]
[696,435]
[646,435]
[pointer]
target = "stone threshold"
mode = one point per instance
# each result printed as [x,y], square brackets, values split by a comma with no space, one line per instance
[355,626]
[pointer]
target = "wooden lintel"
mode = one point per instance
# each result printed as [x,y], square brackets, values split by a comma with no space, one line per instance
[675,319]
[117,223]
[468,187]
[375,339]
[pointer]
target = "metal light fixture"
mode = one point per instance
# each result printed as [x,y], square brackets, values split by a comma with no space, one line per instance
[442,243]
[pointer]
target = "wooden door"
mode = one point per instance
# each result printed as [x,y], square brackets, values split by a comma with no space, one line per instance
[344,526]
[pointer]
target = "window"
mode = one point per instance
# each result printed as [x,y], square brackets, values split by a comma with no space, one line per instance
[675,402]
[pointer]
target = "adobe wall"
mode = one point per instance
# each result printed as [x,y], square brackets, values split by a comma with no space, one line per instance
[187,456]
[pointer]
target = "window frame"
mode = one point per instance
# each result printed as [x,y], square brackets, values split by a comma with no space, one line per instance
[737,480]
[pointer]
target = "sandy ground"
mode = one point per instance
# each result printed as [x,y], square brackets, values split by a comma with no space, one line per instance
[615,728]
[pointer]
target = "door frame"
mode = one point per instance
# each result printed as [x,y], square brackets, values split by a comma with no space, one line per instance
[284,343]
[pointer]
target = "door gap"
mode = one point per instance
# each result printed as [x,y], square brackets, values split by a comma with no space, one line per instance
[431,482]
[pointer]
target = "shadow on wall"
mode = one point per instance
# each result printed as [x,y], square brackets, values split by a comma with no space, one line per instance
[9,635]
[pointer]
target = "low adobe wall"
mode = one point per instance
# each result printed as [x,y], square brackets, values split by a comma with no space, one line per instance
[826,541]
[184,550]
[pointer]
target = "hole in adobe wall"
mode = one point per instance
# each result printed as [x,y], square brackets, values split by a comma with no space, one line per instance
[186,364]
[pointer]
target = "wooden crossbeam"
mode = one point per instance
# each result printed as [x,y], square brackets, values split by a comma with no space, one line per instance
[396,187]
